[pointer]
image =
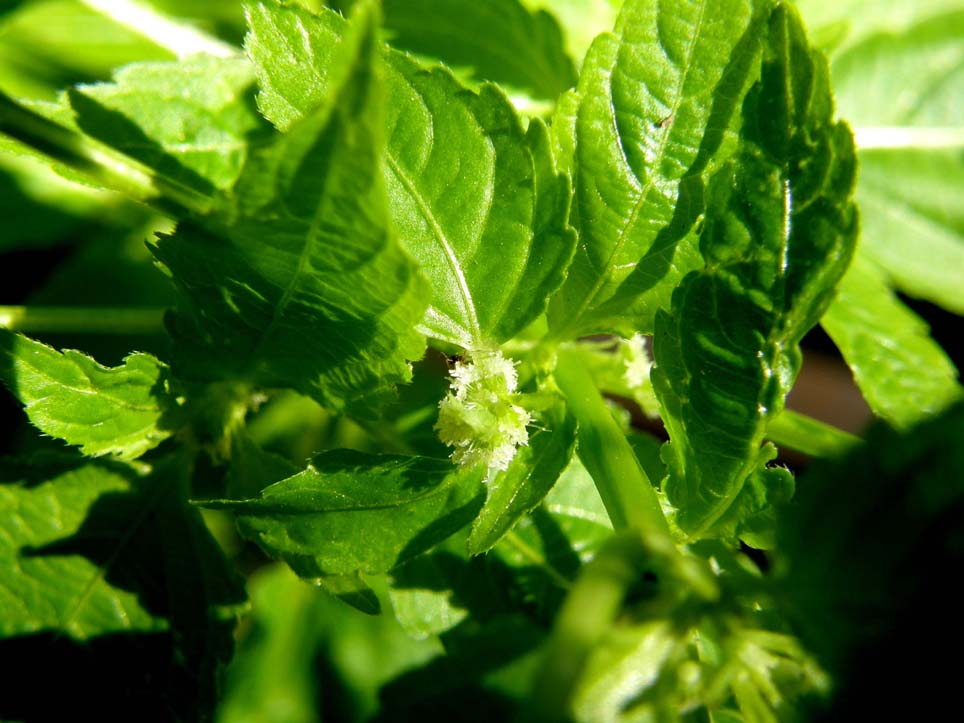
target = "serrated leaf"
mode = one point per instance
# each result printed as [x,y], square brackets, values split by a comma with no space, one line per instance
[92,550]
[902,372]
[529,478]
[656,102]
[468,190]
[500,40]
[124,410]
[351,512]
[191,121]
[298,281]
[779,233]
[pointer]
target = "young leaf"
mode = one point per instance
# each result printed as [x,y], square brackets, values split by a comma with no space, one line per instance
[475,201]
[124,410]
[500,40]
[299,281]
[656,100]
[190,121]
[779,233]
[902,372]
[350,512]
[530,476]
[93,550]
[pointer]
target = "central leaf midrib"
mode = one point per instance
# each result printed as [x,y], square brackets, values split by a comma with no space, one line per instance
[468,304]
[603,277]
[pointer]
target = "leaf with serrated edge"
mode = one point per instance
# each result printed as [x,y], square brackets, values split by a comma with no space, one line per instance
[779,233]
[124,410]
[299,281]
[351,512]
[656,103]
[902,372]
[190,120]
[527,481]
[464,184]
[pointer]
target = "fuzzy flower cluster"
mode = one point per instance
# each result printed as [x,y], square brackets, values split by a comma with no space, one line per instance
[479,417]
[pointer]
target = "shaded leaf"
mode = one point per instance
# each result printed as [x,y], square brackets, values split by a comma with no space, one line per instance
[656,104]
[475,200]
[94,550]
[530,476]
[889,516]
[124,410]
[299,281]
[351,512]
[779,234]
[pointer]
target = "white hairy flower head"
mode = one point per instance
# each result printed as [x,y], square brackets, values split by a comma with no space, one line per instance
[479,416]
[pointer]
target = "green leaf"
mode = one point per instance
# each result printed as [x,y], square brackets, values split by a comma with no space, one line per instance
[350,512]
[530,476]
[779,233]
[656,103]
[299,281]
[190,120]
[500,40]
[908,79]
[902,372]
[752,517]
[93,550]
[913,224]
[124,410]
[475,200]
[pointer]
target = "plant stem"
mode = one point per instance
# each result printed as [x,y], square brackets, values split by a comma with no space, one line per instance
[178,37]
[808,435]
[586,616]
[624,487]
[106,167]
[82,320]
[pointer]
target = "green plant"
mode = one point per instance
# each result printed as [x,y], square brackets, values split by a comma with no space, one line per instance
[402,305]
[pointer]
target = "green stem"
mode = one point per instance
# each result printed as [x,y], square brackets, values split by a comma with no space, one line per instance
[101,164]
[82,320]
[624,487]
[808,435]
[588,613]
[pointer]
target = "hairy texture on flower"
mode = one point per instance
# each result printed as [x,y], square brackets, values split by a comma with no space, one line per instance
[637,365]
[479,417]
